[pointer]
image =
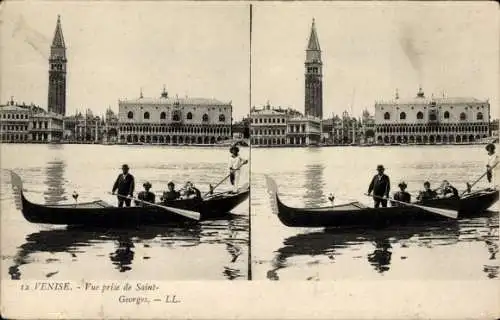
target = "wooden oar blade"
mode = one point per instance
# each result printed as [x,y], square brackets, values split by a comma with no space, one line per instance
[444,212]
[187,213]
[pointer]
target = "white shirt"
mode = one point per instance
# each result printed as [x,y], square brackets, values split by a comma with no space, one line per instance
[492,160]
[235,162]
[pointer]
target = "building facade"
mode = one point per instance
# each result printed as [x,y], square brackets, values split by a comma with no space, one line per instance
[313,76]
[423,120]
[46,127]
[21,123]
[268,126]
[167,120]
[14,123]
[303,131]
[57,73]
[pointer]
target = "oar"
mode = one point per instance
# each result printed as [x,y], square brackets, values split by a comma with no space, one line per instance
[444,212]
[183,212]
[469,186]
[225,178]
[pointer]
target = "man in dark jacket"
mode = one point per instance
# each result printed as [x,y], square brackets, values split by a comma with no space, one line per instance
[124,184]
[380,186]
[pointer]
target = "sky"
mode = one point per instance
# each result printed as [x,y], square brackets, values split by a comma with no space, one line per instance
[370,49]
[116,48]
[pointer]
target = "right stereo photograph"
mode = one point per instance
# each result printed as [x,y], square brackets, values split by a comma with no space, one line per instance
[374,132]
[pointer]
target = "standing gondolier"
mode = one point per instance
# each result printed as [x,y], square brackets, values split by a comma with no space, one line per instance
[124,184]
[235,164]
[492,162]
[380,185]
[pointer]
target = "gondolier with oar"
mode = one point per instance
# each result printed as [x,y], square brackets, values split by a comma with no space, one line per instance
[380,185]
[125,185]
[235,164]
[492,163]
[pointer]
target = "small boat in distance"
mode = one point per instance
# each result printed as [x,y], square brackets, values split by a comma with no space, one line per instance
[355,214]
[100,213]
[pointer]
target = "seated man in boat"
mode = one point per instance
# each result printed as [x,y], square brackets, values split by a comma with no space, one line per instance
[448,191]
[380,185]
[145,195]
[401,195]
[428,193]
[171,194]
[190,192]
[235,164]
[124,184]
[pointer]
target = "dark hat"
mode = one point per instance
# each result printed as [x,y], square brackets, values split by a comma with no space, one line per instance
[170,183]
[402,184]
[147,184]
[125,166]
[427,183]
[380,167]
[490,146]
[234,149]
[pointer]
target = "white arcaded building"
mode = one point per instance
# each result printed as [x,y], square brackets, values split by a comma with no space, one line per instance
[173,120]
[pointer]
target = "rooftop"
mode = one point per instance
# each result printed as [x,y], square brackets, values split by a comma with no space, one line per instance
[180,101]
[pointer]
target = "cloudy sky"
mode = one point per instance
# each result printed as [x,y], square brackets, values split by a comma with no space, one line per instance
[370,49]
[115,48]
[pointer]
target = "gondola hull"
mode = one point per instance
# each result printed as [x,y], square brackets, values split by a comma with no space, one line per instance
[100,213]
[355,214]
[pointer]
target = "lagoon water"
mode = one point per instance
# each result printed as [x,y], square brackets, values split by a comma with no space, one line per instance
[214,250]
[463,250]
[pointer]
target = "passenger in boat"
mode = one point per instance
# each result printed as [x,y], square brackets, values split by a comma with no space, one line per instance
[171,194]
[190,192]
[235,164]
[428,193]
[401,195]
[380,185]
[145,195]
[448,191]
[125,185]
[492,162]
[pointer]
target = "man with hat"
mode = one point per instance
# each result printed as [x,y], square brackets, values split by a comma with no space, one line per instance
[125,185]
[401,195]
[492,162]
[145,195]
[380,185]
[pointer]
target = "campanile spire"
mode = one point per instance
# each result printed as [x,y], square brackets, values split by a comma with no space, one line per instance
[57,72]
[313,75]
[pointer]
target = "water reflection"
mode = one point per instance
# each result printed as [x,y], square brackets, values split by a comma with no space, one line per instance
[313,184]
[330,243]
[55,182]
[76,241]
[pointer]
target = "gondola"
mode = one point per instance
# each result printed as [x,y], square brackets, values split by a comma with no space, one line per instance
[355,214]
[100,213]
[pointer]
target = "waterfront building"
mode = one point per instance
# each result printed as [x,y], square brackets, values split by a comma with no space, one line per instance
[241,129]
[21,123]
[167,120]
[57,72]
[46,127]
[313,76]
[424,120]
[268,125]
[303,131]
[110,133]
[14,123]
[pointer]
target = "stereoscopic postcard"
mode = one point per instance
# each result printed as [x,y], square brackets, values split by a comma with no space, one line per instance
[238,159]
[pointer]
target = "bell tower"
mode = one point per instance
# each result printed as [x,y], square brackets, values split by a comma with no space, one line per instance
[313,76]
[57,72]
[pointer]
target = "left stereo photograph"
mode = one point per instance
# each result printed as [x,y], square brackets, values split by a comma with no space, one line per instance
[124,145]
